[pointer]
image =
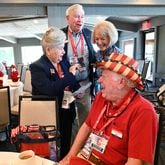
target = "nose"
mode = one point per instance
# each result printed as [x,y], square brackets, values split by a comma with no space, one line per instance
[98,42]
[100,79]
[63,51]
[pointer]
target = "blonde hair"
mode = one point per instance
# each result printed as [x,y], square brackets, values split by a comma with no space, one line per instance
[73,7]
[107,28]
[53,37]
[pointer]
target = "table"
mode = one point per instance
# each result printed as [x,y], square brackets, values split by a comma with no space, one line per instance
[16,89]
[10,156]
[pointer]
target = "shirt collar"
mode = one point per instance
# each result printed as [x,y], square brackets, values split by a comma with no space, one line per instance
[75,34]
[122,101]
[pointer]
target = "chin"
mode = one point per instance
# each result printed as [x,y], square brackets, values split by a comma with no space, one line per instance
[103,94]
[102,49]
[59,60]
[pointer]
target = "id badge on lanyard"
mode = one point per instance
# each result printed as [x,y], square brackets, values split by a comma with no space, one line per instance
[95,141]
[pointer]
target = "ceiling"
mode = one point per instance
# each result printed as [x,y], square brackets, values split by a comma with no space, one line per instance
[16,28]
[12,28]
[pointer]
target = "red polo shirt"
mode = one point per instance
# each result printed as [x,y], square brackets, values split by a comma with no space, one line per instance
[136,130]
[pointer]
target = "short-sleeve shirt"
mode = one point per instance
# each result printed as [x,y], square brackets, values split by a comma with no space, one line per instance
[136,131]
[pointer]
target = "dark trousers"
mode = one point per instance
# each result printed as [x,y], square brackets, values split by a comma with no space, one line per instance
[66,120]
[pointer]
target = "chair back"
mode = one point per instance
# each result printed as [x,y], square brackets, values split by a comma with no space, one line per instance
[160,114]
[5,110]
[140,66]
[27,82]
[24,68]
[19,68]
[145,69]
[42,110]
[8,69]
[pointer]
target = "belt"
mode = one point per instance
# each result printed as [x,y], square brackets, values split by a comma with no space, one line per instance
[96,160]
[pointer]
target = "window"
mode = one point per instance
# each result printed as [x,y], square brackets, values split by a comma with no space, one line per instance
[149,52]
[7,55]
[31,54]
[128,47]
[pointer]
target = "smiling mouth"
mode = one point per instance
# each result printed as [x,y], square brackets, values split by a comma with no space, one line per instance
[79,25]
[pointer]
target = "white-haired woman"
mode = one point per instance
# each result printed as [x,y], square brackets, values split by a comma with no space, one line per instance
[105,36]
[52,76]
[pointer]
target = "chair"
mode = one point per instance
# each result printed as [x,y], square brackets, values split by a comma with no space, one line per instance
[140,66]
[149,94]
[5,111]
[8,70]
[145,68]
[42,110]
[27,90]
[161,118]
[144,72]
[19,68]
[24,68]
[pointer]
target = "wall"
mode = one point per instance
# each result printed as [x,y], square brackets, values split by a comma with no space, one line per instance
[161,50]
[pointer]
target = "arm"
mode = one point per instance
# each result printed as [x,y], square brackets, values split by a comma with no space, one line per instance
[81,137]
[133,161]
[50,84]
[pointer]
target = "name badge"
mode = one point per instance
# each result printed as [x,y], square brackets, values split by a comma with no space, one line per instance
[99,142]
[67,99]
[117,133]
[95,141]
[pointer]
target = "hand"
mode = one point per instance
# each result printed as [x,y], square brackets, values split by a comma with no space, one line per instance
[79,95]
[73,69]
[65,160]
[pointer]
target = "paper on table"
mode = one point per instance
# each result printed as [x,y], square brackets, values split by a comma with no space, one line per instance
[82,89]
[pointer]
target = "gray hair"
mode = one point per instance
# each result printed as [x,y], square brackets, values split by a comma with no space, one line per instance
[107,28]
[53,37]
[130,83]
[73,7]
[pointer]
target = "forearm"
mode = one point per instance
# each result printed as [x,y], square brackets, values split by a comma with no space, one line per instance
[133,161]
[80,139]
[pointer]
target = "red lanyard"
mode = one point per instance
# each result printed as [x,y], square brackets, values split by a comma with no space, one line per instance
[59,71]
[113,116]
[74,46]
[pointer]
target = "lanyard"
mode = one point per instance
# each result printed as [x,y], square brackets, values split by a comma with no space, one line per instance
[59,71]
[113,116]
[74,46]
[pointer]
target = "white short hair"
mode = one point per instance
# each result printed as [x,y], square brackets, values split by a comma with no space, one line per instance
[53,37]
[106,28]
[73,7]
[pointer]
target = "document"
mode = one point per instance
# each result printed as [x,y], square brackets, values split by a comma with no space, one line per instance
[82,89]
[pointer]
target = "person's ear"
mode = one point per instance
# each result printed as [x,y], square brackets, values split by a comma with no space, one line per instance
[67,17]
[121,83]
[47,50]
